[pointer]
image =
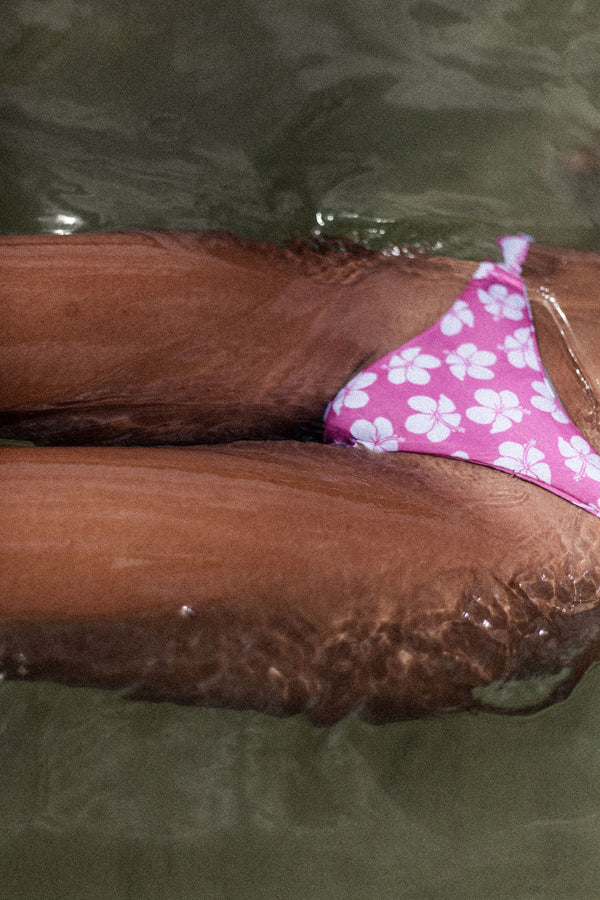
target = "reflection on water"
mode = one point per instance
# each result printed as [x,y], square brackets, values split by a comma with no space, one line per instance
[429,121]
[176,802]
[446,123]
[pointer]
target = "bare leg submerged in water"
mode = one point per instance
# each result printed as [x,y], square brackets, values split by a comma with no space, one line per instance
[275,575]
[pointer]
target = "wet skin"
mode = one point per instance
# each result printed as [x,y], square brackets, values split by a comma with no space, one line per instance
[275,575]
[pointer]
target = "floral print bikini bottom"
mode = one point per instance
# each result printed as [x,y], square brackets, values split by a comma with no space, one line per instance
[473,387]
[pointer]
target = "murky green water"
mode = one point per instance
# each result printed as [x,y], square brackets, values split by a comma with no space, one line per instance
[442,122]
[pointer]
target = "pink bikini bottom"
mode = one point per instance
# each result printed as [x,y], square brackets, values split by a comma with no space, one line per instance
[473,387]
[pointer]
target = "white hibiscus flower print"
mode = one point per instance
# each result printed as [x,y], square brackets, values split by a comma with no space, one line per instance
[523,459]
[520,349]
[484,269]
[436,418]
[459,314]
[411,365]
[468,360]
[377,435]
[502,305]
[460,454]
[501,409]
[547,401]
[580,458]
[353,394]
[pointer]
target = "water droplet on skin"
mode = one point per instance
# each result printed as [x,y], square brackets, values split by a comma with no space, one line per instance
[186,611]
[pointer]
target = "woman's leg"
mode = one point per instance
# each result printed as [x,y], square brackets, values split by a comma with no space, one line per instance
[182,337]
[288,577]
[174,337]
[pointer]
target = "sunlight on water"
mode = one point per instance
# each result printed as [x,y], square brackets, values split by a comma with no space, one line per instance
[60,223]
[432,123]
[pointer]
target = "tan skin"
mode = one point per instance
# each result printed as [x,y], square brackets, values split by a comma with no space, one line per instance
[276,575]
